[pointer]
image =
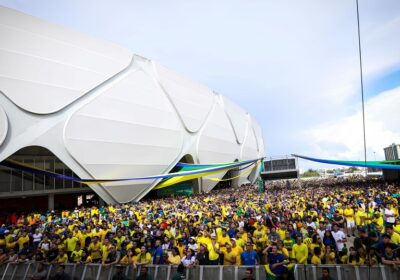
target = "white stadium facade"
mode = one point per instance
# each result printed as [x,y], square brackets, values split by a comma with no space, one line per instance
[73,103]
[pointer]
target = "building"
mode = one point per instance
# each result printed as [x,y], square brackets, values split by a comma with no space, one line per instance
[76,105]
[279,168]
[392,152]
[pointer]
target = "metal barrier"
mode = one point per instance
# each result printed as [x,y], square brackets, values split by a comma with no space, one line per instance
[344,272]
[24,271]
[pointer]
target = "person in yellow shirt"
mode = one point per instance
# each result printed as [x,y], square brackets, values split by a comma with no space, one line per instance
[349,215]
[174,258]
[24,238]
[104,248]
[396,226]
[61,257]
[222,240]
[329,256]
[354,257]
[394,236]
[213,251]
[282,231]
[261,241]
[360,217]
[70,243]
[300,251]
[230,257]
[144,257]
[181,247]
[76,255]
[95,250]
[202,239]
[237,249]
[316,258]
[119,239]
[128,258]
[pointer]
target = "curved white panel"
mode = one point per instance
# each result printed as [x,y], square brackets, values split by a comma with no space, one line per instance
[192,101]
[3,125]
[237,117]
[217,143]
[51,64]
[130,130]
[249,147]
[259,137]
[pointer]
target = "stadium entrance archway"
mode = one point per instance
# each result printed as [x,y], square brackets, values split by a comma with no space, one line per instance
[226,181]
[186,188]
[25,191]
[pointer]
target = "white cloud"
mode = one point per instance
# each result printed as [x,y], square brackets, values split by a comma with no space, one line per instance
[343,137]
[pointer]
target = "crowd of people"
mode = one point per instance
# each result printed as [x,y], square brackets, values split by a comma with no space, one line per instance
[352,221]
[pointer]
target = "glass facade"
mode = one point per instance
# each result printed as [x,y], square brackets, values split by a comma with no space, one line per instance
[13,180]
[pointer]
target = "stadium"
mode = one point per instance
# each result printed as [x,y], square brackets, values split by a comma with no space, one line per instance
[72,104]
[113,166]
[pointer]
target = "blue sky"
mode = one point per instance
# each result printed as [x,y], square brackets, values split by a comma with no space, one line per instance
[292,64]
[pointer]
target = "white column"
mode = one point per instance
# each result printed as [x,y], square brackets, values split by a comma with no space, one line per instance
[50,202]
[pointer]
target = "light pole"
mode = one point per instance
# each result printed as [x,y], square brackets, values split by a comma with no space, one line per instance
[362,89]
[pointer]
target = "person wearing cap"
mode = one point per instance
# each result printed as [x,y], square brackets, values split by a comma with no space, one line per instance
[192,244]
[237,249]
[230,256]
[249,256]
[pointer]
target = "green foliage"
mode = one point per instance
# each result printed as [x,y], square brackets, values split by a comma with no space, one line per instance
[310,173]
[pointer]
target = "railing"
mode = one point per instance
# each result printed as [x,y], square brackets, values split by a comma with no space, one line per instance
[24,271]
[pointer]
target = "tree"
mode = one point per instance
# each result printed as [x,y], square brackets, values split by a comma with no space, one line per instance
[310,173]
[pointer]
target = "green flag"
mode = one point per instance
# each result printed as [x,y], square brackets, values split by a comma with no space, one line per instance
[260,181]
